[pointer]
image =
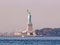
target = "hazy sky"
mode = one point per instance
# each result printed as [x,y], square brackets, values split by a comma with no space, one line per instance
[13,14]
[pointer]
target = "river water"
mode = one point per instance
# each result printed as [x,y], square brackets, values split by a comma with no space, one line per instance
[29,40]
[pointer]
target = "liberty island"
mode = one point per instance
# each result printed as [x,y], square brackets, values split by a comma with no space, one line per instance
[29,30]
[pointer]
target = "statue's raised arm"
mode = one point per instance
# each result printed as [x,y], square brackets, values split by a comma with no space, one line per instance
[28,12]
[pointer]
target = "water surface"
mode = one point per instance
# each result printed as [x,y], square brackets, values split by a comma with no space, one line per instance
[29,41]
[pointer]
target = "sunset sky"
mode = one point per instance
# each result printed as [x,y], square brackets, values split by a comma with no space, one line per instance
[13,14]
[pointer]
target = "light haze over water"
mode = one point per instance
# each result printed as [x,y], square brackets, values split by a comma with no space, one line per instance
[13,14]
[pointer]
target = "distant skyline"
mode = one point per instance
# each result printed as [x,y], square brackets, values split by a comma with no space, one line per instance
[13,14]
